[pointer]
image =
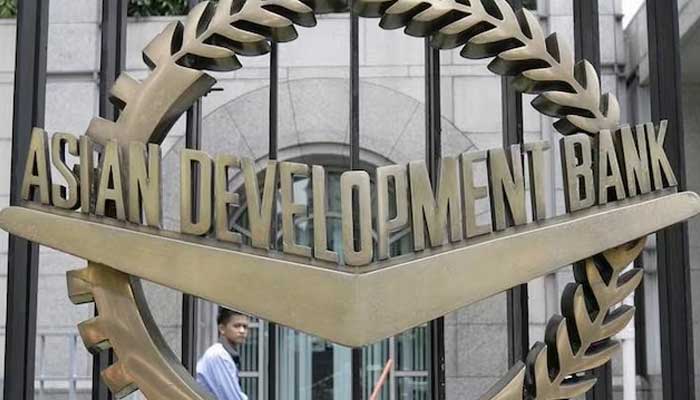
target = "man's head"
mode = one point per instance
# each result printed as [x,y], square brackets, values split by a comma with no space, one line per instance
[232,325]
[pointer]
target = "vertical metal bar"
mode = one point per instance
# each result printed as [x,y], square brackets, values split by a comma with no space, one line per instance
[517,298]
[354,92]
[274,98]
[272,154]
[72,348]
[22,255]
[112,52]
[640,334]
[112,62]
[675,303]
[433,153]
[587,46]
[190,316]
[42,365]
[587,31]
[354,128]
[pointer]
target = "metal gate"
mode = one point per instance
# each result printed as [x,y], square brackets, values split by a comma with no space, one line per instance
[672,247]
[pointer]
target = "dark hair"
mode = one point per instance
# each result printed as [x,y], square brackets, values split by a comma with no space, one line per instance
[225,314]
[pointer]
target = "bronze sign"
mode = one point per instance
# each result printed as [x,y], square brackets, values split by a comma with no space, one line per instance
[619,187]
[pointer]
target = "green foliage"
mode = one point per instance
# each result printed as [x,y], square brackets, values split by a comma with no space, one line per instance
[147,8]
[8,8]
[530,4]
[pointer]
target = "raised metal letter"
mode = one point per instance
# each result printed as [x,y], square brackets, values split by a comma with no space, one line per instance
[657,156]
[635,158]
[507,185]
[260,214]
[64,196]
[427,210]
[111,187]
[579,192]
[535,166]
[36,170]
[356,251]
[472,194]
[608,169]
[319,203]
[385,224]
[202,226]
[289,208]
[144,184]
[87,171]
[224,198]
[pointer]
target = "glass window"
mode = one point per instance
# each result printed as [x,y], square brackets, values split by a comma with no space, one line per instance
[310,368]
[251,361]
[412,388]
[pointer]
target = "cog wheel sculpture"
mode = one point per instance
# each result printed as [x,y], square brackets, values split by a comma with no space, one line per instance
[210,39]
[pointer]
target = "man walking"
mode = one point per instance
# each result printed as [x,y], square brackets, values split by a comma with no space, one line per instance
[217,370]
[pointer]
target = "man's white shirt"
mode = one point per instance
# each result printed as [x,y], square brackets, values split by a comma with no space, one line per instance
[218,374]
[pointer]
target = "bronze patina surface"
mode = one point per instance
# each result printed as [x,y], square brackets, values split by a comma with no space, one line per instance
[369,296]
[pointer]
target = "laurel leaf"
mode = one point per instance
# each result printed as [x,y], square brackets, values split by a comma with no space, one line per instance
[615,322]
[493,35]
[580,340]
[538,370]
[510,386]
[561,99]
[540,75]
[431,14]
[622,256]
[578,312]
[160,49]
[557,339]
[194,24]
[574,387]
[586,75]
[517,42]
[456,33]
[402,7]
[508,16]
[213,35]
[626,284]
[602,353]
[527,18]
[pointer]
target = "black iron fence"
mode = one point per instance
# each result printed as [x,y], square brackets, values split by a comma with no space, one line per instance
[672,245]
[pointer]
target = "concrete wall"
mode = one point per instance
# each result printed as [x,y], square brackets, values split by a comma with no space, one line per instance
[638,72]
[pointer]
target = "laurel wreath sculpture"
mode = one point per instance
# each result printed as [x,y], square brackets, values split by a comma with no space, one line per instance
[210,39]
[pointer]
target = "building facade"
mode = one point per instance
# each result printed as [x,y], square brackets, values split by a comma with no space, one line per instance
[313,125]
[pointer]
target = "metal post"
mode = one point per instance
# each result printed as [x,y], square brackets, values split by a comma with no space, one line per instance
[640,334]
[112,52]
[23,256]
[587,32]
[587,45]
[272,155]
[433,152]
[190,316]
[354,92]
[676,318]
[517,298]
[355,162]
[112,62]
